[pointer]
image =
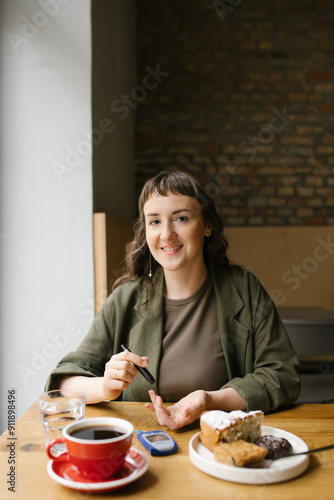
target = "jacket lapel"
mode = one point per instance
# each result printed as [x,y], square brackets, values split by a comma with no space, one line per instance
[145,339]
[233,334]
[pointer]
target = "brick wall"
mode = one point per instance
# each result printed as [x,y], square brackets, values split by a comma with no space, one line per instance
[240,93]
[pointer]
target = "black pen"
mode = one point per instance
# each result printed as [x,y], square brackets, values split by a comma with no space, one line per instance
[143,371]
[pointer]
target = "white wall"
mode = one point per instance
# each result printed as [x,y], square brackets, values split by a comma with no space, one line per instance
[45,192]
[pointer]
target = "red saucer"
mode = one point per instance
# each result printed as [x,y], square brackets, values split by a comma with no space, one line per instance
[67,474]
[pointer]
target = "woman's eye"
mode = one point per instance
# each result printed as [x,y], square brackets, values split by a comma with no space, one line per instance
[182,218]
[154,222]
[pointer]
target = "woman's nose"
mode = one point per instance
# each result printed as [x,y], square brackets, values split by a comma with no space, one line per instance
[168,231]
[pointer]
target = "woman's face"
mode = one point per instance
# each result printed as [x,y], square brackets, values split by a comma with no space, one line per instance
[175,232]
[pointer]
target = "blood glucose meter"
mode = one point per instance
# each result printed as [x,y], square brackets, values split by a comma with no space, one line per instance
[158,443]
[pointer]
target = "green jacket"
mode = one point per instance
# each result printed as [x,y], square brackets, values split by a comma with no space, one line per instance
[261,363]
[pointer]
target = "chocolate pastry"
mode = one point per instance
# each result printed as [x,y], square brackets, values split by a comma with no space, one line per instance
[277,447]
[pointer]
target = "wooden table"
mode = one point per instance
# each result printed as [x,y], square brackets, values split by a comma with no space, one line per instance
[173,476]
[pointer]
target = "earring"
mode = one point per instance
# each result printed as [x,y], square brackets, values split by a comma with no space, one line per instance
[150,273]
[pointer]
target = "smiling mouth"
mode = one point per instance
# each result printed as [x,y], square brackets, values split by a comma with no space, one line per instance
[171,249]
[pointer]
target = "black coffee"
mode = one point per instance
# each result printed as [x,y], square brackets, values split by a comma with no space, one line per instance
[95,432]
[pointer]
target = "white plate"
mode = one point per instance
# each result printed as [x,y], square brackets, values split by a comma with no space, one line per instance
[66,474]
[279,470]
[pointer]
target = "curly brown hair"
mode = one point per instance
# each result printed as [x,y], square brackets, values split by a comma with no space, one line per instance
[137,258]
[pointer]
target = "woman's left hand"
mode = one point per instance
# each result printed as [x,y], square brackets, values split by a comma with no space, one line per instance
[181,413]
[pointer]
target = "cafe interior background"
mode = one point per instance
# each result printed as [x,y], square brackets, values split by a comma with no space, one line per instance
[97,96]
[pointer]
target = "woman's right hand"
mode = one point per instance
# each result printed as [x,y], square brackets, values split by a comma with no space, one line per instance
[119,373]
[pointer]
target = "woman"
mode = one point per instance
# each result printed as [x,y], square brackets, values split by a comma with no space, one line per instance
[212,335]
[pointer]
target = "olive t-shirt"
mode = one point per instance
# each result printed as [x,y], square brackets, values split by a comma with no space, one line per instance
[192,354]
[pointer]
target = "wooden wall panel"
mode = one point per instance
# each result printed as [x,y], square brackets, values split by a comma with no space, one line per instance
[294,264]
[110,237]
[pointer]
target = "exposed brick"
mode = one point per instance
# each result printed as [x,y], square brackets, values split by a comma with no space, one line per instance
[316,202]
[285,192]
[235,221]
[201,159]
[261,117]
[256,221]
[230,148]
[222,159]
[327,108]
[325,192]
[325,150]
[149,140]
[306,129]
[324,87]
[304,212]
[304,151]
[275,171]
[266,190]
[296,221]
[327,45]
[258,201]
[227,78]
[211,149]
[295,202]
[298,96]
[323,173]
[276,202]
[285,160]
[327,139]
[258,160]
[276,221]
[182,149]
[247,45]
[287,181]
[306,118]
[314,181]
[314,221]
[297,139]
[285,211]
[304,191]
[320,75]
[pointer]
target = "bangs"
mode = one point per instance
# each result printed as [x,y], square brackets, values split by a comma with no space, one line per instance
[176,183]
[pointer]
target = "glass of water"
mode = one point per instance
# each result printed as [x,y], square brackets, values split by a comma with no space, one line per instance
[57,409]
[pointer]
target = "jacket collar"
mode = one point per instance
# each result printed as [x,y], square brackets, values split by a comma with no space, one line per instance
[228,298]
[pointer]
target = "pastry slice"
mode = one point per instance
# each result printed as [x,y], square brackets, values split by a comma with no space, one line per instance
[238,453]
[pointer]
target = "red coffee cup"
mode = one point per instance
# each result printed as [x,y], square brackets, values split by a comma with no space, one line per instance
[96,446]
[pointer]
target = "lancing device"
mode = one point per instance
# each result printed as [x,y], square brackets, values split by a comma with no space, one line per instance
[143,371]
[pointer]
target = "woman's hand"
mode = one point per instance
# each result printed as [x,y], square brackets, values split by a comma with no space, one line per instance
[190,407]
[119,373]
[181,413]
